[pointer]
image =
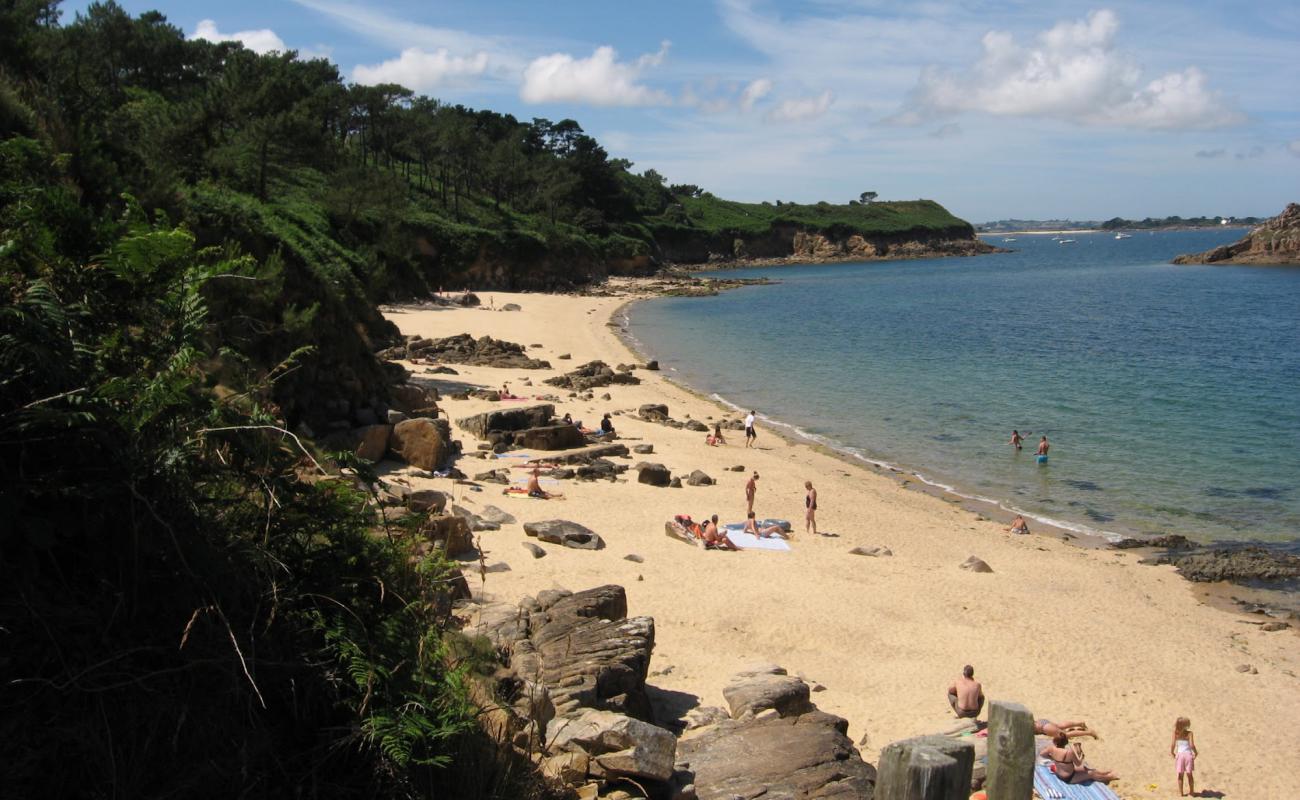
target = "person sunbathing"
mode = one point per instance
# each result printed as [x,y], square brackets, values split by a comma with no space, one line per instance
[715,539]
[768,531]
[535,487]
[711,440]
[1018,525]
[1072,730]
[1068,762]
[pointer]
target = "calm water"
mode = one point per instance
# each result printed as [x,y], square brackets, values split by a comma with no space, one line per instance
[1170,394]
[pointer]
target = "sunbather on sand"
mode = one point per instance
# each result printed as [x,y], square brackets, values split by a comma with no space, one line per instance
[535,487]
[1018,525]
[1072,730]
[716,539]
[1068,759]
[966,695]
[717,434]
[751,526]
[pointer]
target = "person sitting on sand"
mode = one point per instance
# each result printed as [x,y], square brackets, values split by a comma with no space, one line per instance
[535,487]
[1068,762]
[505,392]
[715,539]
[711,440]
[766,532]
[1018,525]
[966,695]
[718,438]
[1072,730]
[606,425]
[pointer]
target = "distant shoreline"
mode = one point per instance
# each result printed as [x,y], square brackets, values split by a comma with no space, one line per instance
[1115,230]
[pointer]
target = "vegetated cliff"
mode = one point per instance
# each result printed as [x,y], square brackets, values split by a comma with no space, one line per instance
[718,231]
[1275,242]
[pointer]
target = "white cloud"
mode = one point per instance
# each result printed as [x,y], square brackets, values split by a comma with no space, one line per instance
[423,71]
[754,92]
[600,80]
[1074,73]
[800,109]
[263,40]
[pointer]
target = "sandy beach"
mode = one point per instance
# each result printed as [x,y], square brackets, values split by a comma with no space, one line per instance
[1071,632]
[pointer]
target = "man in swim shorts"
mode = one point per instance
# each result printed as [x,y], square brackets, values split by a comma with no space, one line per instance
[966,695]
[1043,446]
[750,433]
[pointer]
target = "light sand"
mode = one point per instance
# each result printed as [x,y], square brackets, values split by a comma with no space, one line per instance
[1069,632]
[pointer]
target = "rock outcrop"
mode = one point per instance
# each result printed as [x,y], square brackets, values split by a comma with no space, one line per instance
[1235,564]
[465,349]
[592,375]
[1275,242]
[788,749]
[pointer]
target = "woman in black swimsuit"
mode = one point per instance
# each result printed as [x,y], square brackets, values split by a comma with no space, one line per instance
[810,504]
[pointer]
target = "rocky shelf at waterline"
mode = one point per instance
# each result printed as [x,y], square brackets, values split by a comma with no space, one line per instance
[1275,242]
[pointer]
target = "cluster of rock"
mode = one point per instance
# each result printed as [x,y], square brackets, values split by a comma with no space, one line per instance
[423,442]
[655,474]
[1275,242]
[1240,564]
[592,375]
[532,427]
[574,700]
[465,349]
[658,412]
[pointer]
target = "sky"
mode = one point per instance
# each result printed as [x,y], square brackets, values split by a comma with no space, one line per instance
[1030,110]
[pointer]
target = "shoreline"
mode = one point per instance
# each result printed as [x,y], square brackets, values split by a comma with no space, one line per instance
[882,635]
[905,477]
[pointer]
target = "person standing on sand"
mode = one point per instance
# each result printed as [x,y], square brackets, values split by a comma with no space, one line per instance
[1016,439]
[751,489]
[810,508]
[1183,749]
[966,695]
[1043,446]
[750,433]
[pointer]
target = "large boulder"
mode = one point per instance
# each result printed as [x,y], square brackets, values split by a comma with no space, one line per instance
[587,652]
[483,351]
[371,442]
[550,437]
[699,478]
[450,533]
[653,474]
[422,442]
[622,745]
[751,693]
[569,534]
[1236,564]
[655,412]
[494,514]
[430,500]
[414,399]
[805,756]
[591,375]
[510,419]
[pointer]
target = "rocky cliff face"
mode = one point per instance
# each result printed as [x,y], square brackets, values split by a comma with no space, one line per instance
[1275,242]
[795,243]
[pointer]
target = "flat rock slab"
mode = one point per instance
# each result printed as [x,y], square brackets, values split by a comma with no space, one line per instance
[871,550]
[537,550]
[975,564]
[622,745]
[563,532]
[777,758]
[511,419]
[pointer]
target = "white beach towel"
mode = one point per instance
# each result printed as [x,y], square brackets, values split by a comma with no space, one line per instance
[748,541]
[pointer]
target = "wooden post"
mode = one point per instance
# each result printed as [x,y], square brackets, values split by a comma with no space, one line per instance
[1011,752]
[925,768]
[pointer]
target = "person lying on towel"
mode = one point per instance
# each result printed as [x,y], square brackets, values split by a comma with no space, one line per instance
[766,532]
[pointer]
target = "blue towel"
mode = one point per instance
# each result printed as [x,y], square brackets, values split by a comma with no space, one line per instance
[1050,787]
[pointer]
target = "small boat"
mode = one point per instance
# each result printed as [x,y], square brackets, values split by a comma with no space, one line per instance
[1123,236]
[1008,238]
[1066,241]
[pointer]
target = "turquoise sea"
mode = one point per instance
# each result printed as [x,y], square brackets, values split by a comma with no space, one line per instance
[1170,394]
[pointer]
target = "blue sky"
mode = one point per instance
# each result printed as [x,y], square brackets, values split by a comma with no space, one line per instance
[1009,109]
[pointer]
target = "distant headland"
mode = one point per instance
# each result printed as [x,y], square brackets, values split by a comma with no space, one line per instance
[1113,224]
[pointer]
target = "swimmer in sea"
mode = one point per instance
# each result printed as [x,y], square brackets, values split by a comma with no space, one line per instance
[1016,439]
[1043,446]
